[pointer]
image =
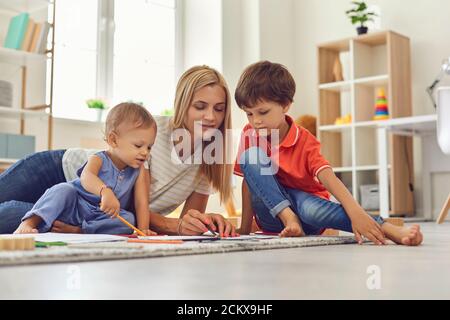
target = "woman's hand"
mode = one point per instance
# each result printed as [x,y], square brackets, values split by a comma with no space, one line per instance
[364,225]
[109,203]
[196,223]
[149,232]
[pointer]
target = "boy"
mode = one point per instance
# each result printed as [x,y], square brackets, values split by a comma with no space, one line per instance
[287,182]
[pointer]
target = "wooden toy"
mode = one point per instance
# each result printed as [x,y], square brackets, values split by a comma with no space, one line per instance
[381,107]
[16,242]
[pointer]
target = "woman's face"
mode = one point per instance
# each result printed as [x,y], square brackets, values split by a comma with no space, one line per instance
[206,112]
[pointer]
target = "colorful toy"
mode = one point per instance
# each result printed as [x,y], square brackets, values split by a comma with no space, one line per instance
[347,119]
[381,107]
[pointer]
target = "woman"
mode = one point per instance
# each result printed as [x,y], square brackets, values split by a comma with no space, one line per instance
[202,106]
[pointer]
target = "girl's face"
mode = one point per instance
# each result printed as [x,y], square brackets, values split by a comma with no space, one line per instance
[206,112]
[132,146]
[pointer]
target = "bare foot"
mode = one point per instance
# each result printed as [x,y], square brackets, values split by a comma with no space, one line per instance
[292,231]
[29,225]
[292,226]
[61,227]
[408,236]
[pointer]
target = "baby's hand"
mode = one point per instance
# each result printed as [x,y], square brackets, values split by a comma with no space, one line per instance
[109,203]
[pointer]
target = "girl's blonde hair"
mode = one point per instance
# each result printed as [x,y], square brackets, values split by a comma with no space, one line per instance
[128,112]
[194,79]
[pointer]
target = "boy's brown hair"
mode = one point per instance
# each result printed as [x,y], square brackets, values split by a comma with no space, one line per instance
[128,112]
[265,81]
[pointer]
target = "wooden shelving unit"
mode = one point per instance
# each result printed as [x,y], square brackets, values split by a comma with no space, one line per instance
[22,59]
[377,60]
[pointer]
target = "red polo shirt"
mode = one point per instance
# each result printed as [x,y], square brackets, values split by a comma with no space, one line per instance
[299,159]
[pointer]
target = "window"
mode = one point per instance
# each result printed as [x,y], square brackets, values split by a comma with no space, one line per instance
[116,50]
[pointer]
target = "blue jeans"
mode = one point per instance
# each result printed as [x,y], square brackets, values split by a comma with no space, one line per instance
[269,198]
[24,183]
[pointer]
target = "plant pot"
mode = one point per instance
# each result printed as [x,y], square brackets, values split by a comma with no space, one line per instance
[362,30]
[99,114]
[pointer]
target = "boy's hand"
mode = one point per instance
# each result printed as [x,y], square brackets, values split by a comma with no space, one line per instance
[364,225]
[109,203]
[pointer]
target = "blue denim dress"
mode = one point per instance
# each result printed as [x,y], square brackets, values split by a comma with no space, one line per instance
[70,203]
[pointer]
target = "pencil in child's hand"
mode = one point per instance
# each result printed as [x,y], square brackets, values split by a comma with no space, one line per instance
[139,232]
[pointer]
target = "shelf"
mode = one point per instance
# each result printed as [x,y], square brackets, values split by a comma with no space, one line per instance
[338,46]
[13,7]
[367,168]
[15,55]
[343,169]
[14,112]
[8,161]
[341,86]
[336,128]
[380,80]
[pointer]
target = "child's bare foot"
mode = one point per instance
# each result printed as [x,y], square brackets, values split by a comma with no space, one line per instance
[292,231]
[61,227]
[292,226]
[29,225]
[408,236]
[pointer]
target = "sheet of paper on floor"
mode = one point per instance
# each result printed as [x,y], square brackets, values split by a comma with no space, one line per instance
[73,238]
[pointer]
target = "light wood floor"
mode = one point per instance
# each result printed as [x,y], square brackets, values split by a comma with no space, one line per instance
[334,272]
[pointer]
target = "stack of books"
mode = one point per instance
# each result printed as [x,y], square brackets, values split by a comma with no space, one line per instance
[26,34]
[6,94]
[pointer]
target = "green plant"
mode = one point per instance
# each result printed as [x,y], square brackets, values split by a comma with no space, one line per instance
[96,104]
[360,14]
[167,112]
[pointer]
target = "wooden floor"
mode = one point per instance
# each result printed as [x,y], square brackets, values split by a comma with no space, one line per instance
[334,272]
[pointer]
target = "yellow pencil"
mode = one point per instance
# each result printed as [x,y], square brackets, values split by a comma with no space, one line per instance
[139,232]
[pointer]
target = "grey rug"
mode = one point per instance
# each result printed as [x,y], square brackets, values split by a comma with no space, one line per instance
[119,250]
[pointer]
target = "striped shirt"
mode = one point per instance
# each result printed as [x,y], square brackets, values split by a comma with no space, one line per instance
[172,182]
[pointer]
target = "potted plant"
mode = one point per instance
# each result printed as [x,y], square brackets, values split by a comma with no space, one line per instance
[98,105]
[360,14]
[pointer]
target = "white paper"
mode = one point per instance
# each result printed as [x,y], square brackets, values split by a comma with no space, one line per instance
[207,236]
[76,237]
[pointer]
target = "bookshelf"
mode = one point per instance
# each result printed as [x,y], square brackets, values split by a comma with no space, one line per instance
[31,73]
[375,61]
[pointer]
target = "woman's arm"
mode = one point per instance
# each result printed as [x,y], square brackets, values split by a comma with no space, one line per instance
[141,199]
[189,218]
[247,211]
[362,223]
[196,201]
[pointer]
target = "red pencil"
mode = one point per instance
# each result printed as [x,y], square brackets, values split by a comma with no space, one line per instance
[155,241]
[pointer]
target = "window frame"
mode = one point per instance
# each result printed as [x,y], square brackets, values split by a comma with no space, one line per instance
[105,49]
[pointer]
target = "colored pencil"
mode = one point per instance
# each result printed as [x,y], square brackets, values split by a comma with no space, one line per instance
[139,232]
[155,241]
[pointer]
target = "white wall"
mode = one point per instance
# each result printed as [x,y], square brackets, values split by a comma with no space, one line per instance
[202,30]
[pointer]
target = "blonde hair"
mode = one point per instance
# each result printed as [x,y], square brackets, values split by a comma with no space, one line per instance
[128,112]
[194,79]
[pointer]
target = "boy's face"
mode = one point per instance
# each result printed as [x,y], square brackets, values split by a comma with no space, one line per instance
[266,116]
[133,146]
